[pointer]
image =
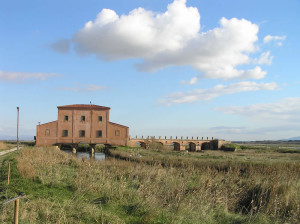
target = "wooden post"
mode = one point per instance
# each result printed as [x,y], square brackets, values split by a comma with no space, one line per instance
[102,221]
[16,217]
[8,173]
[16,200]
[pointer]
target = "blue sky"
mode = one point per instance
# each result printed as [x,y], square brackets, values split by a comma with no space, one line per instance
[227,69]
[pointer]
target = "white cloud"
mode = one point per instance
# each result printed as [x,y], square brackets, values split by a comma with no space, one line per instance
[219,90]
[84,88]
[278,39]
[171,38]
[192,81]
[265,58]
[18,77]
[255,73]
[61,46]
[286,110]
[141,33]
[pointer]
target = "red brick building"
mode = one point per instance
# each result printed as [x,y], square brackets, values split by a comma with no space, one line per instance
[82,123]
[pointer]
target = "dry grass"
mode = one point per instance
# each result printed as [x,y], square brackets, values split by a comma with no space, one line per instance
[154,189]
[6,146]
[3,146]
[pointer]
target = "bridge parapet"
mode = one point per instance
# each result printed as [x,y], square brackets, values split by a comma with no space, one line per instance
[171,137]
[191,144]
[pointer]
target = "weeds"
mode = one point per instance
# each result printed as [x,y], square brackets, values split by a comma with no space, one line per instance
[4,146]
[154,187]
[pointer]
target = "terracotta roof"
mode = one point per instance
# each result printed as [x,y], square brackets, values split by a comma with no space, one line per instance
[48,123]
[117,124]
[83,107]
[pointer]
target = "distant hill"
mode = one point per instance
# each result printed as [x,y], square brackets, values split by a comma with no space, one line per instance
[291,139]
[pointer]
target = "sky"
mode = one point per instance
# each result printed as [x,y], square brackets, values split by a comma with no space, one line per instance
[222,68]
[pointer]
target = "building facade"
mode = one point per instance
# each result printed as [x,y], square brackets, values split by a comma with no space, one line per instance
[82,123]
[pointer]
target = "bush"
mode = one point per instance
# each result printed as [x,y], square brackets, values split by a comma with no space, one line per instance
[230,147]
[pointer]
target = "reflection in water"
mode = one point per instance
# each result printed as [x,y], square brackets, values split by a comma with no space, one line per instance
[86,155]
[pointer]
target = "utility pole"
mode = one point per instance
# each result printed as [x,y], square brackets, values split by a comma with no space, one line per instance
[18,131]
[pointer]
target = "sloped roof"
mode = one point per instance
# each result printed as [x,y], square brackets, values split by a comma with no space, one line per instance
[83,107]
[48,123]
[117,124]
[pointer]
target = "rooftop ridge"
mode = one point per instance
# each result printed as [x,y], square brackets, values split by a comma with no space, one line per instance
[83,106]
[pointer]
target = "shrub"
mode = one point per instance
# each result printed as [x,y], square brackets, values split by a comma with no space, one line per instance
[230,147]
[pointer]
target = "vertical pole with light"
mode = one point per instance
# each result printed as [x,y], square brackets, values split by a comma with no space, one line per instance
[18,131]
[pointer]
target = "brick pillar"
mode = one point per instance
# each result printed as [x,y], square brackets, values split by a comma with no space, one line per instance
[93,148]
[182,147]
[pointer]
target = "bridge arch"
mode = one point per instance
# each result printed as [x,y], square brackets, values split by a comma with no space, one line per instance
[141,144]
[191,147]
[175,146]
[205,145]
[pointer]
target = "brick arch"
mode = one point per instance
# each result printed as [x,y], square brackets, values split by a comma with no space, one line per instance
[176,146]
[191,147]
[141,144]
[205,145]
[160,142]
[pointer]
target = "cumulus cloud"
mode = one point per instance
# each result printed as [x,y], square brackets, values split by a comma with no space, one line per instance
[219,90]
[286,110]
[277,39]
[171,38]
[255,73]
[84,88]
[61,46]
[140,33]
[19,77]
[265,58]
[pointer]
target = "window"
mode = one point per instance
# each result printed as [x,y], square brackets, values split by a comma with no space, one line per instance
[117,132]
[66,118]
[82,118]
[99,134]
[47,132]
[65,133]
[100,118]
[82,133]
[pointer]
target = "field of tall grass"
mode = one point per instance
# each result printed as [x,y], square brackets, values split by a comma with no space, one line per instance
[4,146]
[154,186]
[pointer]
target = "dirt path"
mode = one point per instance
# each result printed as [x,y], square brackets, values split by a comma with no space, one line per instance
[8,151]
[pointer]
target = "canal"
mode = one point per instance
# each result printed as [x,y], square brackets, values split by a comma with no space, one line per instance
[86,155]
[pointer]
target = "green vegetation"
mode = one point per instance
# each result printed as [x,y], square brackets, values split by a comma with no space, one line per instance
[281,147]
[24,143]
[153,186]
[230,147]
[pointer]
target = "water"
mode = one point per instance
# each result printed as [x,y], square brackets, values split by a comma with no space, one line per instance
[290,147]
[86,155]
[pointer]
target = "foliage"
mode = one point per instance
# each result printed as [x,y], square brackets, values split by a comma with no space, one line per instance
[230,147]
[153,187]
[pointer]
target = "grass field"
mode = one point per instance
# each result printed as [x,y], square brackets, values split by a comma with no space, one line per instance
[4,146]
[153,186]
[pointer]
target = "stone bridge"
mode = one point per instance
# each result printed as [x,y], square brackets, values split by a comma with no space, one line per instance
[178,144]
